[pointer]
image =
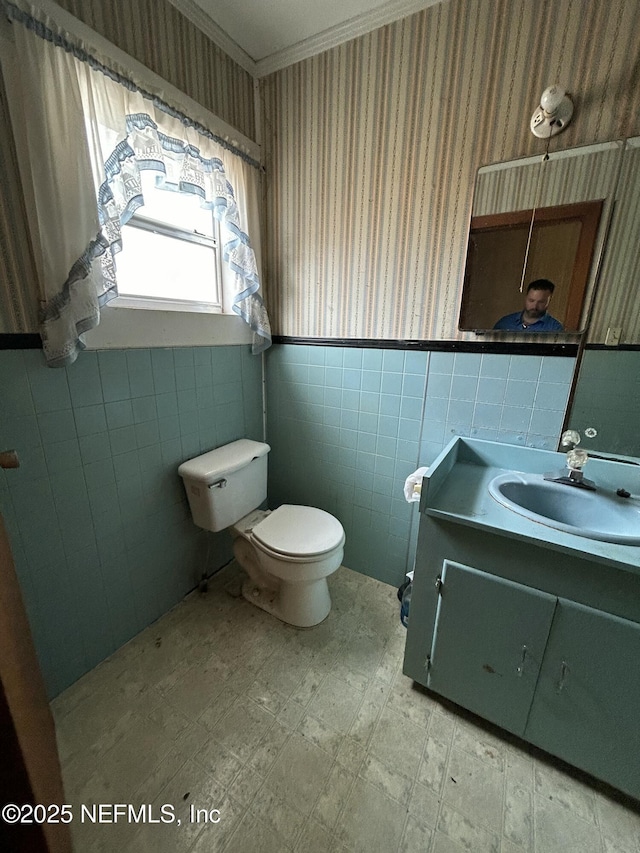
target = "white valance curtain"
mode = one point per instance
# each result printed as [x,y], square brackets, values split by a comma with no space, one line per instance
[90,132]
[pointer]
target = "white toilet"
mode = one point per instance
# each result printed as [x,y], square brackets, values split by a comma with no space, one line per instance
[288,553]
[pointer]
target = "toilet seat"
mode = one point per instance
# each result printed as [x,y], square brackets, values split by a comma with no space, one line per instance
[296,533]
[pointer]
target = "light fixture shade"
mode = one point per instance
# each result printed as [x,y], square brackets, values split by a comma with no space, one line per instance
[552,98]
[553,114]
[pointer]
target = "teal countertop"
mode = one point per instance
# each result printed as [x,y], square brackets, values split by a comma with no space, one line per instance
[456,488]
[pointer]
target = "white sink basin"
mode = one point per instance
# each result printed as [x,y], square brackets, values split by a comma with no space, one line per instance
[595,515]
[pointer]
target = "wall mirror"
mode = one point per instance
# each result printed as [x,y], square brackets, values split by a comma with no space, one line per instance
[606,395]
[541,218]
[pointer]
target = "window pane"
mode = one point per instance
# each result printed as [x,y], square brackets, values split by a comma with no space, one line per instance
[153,265]
[180,209]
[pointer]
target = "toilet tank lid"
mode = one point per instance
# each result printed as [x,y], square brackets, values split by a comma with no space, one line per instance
[223,460]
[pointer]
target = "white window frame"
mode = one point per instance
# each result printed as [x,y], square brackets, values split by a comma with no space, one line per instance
[158,303]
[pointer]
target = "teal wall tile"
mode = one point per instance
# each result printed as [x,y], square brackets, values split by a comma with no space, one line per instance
[144,409]
[119,414]
[413,385]
[393,360]
[95,447]
[90,419]
[353,358]
[520,393]
[391,383]
[62,455]
[464,388]
[115,384]
[411,407]
[397,414]
[19,432]
[515,418]
[487,416]
[122,439]
[15,392]
[352,379]
[49,395]
[84,381]
[491,390]
[525,367]
[416,362]
[552,395]
[494,365]
[467,364]
[141,382]
[97,496]
[439,384]
[32,465]
[372,359]
[441,362]
[138,359]
[436,408]
[346,426]
[554,369]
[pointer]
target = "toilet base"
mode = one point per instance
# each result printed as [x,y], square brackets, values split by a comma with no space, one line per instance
[302,605]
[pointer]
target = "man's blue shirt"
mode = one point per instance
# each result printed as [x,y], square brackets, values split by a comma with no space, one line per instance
[513,323]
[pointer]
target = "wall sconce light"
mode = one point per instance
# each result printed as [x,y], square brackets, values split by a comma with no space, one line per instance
[553,114]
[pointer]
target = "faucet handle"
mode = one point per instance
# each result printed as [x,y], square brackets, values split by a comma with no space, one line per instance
[570,438]
[577,459]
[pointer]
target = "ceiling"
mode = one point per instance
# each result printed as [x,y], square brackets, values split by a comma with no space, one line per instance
[267,35]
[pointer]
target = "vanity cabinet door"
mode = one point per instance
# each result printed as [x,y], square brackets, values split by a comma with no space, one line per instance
[586,708]
[488,644]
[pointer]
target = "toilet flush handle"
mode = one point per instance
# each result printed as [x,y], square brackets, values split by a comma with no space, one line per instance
[218,484]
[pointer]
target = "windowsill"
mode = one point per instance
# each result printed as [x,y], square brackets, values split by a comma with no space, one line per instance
[124,328]
[148,304]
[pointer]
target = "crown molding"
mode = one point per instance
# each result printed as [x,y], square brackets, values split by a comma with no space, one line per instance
[217,35]
[354,27]
[388,12]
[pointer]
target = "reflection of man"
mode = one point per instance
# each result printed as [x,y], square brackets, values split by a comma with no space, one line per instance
[533,317]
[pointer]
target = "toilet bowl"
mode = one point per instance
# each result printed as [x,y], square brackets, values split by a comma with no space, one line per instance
[288,555]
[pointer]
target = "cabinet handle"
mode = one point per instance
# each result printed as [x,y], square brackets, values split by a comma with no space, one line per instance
[520,669]
[564,669]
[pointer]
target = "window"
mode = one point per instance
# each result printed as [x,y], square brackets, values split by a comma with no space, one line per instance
[97,141]
[170,256]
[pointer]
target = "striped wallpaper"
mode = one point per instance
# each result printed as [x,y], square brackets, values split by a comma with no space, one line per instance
[582,174]
[373,147]
[617,302]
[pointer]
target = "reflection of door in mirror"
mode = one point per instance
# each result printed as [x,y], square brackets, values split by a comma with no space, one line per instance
[561,178]
[558,245]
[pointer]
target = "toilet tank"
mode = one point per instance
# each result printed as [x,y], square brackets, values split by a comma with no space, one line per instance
[227,483]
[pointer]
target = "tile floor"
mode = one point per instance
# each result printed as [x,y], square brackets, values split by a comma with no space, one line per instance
[308,741]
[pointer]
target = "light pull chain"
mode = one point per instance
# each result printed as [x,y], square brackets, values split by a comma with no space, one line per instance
[536,201]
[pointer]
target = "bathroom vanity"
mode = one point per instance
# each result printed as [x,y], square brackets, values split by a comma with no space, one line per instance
[534,628]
